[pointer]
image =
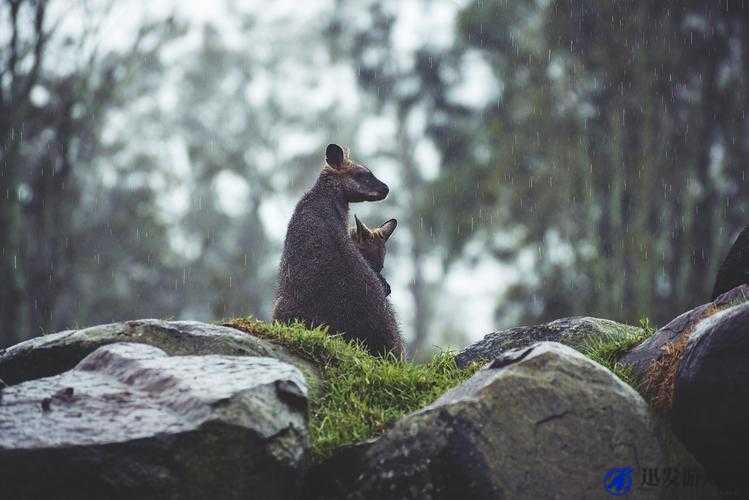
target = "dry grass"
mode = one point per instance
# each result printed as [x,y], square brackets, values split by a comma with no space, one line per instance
[660,380]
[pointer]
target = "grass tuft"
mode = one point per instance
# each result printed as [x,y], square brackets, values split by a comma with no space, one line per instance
[359,394]
[608,348]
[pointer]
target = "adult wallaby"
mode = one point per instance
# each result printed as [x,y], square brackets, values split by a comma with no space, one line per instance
[323,279]
[371,245]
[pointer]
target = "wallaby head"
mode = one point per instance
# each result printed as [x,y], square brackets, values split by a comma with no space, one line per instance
[371,242]
[355,182]
[371,245]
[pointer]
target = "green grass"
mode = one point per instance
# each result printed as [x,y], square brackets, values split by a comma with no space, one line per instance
[359,394]
[608,348]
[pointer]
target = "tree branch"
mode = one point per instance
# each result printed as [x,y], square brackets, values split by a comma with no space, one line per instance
[15,6]
[40,41]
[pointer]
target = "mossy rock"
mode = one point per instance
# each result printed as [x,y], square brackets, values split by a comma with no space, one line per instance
[577,332]
[354,398]
[537,422]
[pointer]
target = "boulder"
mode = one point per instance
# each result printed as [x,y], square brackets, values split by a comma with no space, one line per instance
[710,410]
[572,331]
[538,422]
[131,422]
[58,352]
[661,344]
[734,271]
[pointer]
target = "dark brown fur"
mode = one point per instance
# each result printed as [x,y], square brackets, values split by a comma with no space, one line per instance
[323,279]
[371,244]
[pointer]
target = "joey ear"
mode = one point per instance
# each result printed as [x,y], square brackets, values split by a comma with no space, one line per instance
[334,155]
[362,231]
[387,228]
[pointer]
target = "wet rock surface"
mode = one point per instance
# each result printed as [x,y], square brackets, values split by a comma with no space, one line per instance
[58,352]
[644,355]
[131,422]
[538,422]
[710,411]
[571,331]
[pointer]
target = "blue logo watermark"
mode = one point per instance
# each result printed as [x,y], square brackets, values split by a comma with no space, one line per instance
[618,481]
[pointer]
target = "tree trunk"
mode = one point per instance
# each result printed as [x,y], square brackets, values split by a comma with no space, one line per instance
[413,183]
[703,217]
[631,163]
[601,167]
[10,271]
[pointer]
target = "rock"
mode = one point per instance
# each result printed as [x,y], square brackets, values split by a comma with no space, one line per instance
[734,271]
[694,372]
[131,422]
[710,411]
[538,422]
[655,348]
[572,331]
[58,352]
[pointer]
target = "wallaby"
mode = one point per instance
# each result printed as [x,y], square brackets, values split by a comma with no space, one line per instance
[371,245]
[323,279]
[734,271]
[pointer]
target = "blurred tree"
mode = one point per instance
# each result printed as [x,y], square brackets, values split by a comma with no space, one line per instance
[406,88]
[20,63]
[615,146]
[70,122]
[223,135]
[52,118]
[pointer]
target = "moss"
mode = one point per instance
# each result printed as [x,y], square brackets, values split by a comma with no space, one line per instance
[359,394]
[608,348]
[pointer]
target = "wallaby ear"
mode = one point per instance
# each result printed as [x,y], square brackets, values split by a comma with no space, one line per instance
[387,229]
[362,231]
[334,156]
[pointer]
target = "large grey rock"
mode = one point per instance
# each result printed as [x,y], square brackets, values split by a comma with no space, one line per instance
[710,411]
[574,332]
[58,352]
[131,422]
[652,350]
[538,422]
[694,372]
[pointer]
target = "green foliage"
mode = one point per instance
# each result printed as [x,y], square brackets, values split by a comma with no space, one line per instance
[608,348]
[359,394]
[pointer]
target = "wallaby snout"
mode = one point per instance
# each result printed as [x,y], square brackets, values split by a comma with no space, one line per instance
[377,190]
[357,182]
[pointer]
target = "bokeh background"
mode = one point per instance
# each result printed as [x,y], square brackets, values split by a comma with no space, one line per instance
[546,158]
